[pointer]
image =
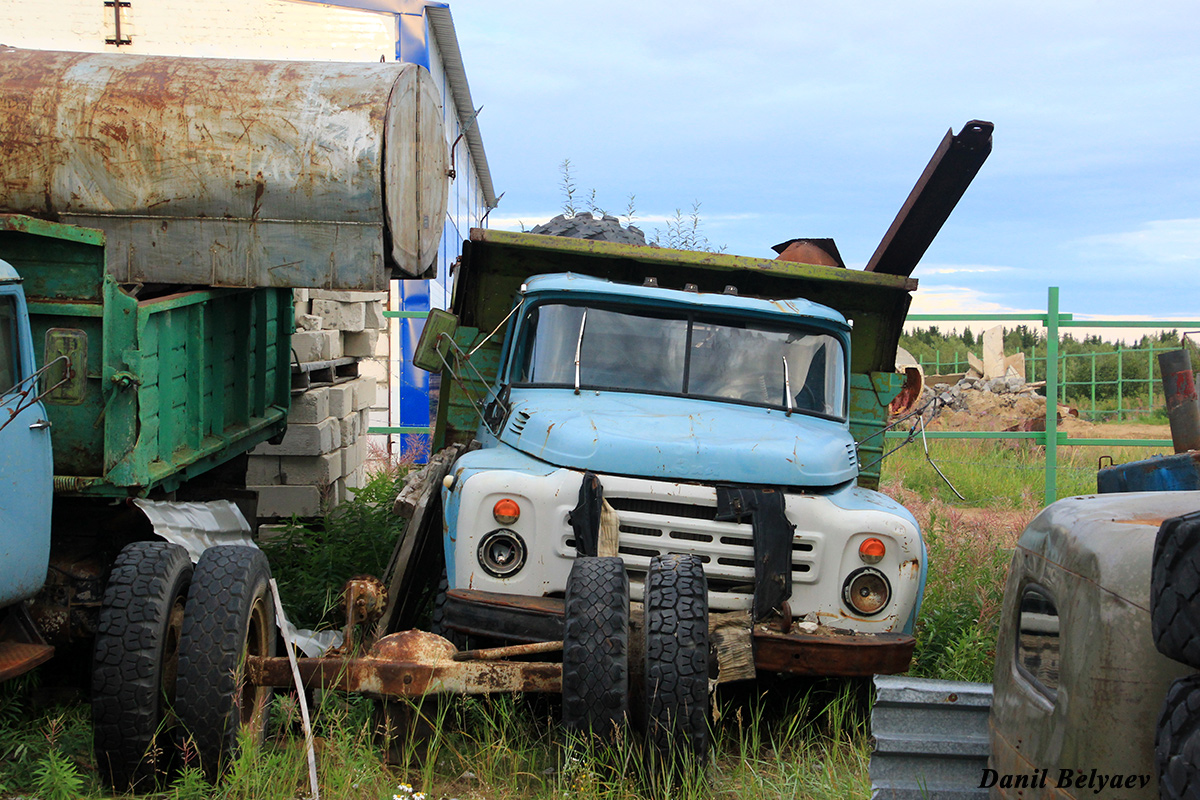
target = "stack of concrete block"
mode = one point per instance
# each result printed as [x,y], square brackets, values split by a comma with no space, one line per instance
[322,457]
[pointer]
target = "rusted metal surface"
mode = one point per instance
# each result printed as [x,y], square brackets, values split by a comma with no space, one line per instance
[409,664]
[363,600]
[17,659]
[229,172]
[849,654]
[514,651]
[21,644]
[1183,406]
[67,608]
[936,193]
[1091,558]
[508,616]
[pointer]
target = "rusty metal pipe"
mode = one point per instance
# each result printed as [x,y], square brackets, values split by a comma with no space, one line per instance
[507,652]
[936,193]
[1183,408]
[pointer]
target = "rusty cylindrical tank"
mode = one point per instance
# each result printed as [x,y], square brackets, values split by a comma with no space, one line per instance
[1183,407]
[228,172]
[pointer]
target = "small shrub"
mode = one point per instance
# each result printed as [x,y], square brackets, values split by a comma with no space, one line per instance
[56,777]
[313,560]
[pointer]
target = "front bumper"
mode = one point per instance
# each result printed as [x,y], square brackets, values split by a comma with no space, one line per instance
[515,618]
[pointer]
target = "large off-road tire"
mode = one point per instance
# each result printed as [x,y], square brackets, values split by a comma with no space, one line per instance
[136,656]
[437,621]
[1175,589]
[595,680]
[1177,741]
[677,658]
[230,615]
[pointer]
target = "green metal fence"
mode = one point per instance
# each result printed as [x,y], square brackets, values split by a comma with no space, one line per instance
[1053,321]
[1133,393]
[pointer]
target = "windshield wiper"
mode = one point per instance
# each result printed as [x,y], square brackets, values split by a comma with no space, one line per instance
[579,348]
[787,387]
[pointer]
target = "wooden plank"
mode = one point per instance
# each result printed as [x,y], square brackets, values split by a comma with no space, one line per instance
[425,522]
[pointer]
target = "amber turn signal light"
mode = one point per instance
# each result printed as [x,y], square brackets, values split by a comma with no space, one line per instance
[871,550]
[506,511]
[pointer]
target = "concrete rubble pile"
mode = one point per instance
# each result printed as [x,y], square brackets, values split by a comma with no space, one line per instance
[958,396]
[323,455]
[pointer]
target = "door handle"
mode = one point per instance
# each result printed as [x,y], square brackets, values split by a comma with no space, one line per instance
[41,424]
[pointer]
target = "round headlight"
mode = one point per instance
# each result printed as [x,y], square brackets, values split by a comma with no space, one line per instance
[502,553]
[866,591]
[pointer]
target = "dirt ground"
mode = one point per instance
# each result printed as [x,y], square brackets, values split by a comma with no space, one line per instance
[986,411]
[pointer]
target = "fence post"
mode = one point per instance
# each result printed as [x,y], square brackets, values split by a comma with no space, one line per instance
[1051,493]
[1120,388]
[1093,386]
[1150,382]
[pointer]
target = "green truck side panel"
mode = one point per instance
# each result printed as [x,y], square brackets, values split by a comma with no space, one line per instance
[176,384]
[495,263]
[869,398]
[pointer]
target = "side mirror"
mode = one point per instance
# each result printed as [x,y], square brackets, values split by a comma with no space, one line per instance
[433,348]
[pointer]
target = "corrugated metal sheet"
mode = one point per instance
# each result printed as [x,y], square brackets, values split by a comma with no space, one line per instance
[230,173]
[442,25]
[931,739]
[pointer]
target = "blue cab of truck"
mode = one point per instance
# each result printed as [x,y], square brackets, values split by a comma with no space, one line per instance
[712,424]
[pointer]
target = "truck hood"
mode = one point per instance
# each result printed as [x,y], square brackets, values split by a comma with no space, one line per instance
[678,438]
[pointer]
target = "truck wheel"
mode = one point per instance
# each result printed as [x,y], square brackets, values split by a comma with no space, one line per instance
[229,616]
[135,662]
[1177,741]
[1175,589]
[595,677]
[437,622]
[676,601]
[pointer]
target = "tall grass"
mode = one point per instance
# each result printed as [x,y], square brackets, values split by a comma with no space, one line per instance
[772,738]
[1000,474]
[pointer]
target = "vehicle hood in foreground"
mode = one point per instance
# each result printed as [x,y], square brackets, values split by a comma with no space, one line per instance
[677,438]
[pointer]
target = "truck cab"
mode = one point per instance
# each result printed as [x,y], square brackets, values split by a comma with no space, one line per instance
[711,423]
[26,469]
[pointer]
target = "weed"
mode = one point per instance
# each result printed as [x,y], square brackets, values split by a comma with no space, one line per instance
[567,184]
[311,562]
[56,778]
[685,233]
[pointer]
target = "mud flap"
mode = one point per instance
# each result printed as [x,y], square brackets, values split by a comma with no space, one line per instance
[585,517]
[772,542]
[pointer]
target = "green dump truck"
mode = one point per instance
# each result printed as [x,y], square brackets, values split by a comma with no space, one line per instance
[155,214]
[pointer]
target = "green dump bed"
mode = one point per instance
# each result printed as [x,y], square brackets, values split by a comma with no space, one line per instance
[178,380]
[495,263]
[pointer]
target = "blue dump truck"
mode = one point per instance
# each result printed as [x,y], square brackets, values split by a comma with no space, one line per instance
[665,463]
[155,214]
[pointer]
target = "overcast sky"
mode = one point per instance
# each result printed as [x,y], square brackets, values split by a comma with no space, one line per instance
[787,119]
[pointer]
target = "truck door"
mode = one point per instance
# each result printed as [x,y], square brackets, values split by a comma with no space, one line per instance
[26,465]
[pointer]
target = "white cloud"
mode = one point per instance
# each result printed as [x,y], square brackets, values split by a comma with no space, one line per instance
[957,269]
[961,300]
[1164,241]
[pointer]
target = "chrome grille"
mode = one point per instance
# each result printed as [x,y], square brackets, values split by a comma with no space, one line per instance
[650,527]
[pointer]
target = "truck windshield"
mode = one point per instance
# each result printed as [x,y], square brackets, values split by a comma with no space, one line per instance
[696,356]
